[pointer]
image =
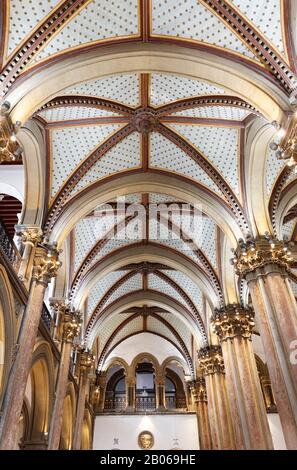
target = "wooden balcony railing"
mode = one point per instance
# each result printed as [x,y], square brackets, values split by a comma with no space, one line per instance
[8,248]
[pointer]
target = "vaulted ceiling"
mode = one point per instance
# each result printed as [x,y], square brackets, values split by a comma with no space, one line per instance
[163,124]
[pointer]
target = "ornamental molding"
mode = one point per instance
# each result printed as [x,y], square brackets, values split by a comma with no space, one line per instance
[254,254]
[233,321]
[211,361]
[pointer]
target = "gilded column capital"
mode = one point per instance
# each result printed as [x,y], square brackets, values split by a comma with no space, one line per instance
[130,381]
[71,325]
[211,360]
[58,305]
[29,234]
[198,389]
[46,263]
[233,320]
[86,360]
[254,254]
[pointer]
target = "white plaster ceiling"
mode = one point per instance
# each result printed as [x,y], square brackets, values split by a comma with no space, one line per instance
[123,88]
[219,144]
[101,288]
[24,15]
[123,156]
[100,19]
[191,20]
[266,16]
[145,342]
[215,112]
[167,156]
[70,113]
[166,88]
[70,146]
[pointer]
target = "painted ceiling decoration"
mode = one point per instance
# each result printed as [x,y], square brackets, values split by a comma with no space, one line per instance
[159,124]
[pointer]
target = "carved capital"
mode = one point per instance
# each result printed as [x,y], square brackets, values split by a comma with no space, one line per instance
[130,381]
[71,326]
[86,360]
[232,321]
[46,263]
[29,234]
[254,254]
[211,361]
[59,306]
[198,389]
[10,149]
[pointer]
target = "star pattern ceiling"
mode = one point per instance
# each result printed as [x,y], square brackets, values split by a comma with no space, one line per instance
[139,122]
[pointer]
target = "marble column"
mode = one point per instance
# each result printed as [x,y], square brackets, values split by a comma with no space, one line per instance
[234,326]
[264,263]
[45,267]
[86,362]
[198,388]
[160,393]
[212,367]
[29,235]
[130,393]
[71,329]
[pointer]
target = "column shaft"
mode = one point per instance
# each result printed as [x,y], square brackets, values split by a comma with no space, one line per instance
[19,374]
[277,318]
[80,410]
[57,415]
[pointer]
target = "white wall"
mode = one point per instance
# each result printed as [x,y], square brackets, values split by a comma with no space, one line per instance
[276,431]
[12,179]
[171,431]
[145,342]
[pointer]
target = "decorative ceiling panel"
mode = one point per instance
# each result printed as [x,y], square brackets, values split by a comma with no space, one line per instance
[191,20]
[266,16]
[273,169]
[71,112]
[123,88]
[25,15]
[97,292]
[88,232]
[123,156]
[166,88]
[208,240]
[72,145]
[160,198]
[159,285]
[160,234]
[156,326]
[100,19]
[134,326]
[215,112]
[165,155]
[190,288]
[180,327]
[109,326]
[219,144]
[131,285]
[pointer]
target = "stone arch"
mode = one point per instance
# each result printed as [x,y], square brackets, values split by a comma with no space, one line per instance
[30,93]
[42,383]
[7,329]
[68,419]
[141,357]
